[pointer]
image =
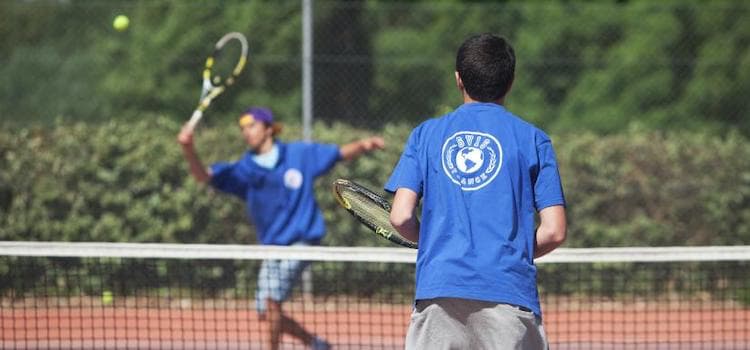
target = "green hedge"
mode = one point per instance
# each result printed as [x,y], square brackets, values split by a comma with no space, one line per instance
[655,189]
[126,181]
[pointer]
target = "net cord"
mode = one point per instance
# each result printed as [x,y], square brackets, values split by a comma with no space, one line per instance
[371,254]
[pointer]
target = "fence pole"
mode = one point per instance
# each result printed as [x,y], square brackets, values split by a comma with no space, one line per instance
[307,69]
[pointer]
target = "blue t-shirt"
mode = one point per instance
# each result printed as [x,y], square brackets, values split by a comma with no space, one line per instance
[281,200]
[483,173]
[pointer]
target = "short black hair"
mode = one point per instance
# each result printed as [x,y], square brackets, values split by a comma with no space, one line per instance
[486,64]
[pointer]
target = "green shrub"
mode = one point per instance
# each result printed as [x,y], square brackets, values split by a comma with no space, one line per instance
[126,181]
[655,189]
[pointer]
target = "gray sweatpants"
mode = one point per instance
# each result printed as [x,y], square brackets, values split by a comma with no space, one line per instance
[451,323]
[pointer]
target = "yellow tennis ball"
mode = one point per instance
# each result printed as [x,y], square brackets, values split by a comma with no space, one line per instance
[107,297]
[121,23]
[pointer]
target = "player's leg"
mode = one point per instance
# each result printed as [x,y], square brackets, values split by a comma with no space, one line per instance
[273,317]
[276,280]
[290,272]
[279,323]
[268,282]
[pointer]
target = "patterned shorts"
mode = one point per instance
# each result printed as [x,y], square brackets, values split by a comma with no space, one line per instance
[276,280]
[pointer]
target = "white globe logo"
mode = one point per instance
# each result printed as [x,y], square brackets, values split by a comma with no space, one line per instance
[293,179]
[469,159]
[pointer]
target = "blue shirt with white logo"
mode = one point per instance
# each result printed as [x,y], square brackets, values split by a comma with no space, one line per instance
[483,173]
[280,200]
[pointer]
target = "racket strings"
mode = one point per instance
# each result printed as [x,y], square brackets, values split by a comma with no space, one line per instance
[370,209]
[367,210]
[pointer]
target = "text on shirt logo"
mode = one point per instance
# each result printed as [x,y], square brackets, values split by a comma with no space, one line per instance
[471,159]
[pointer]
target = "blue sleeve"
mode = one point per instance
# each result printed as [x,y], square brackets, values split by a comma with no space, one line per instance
[226,177]
[548,189]
[325,156]
[407,173]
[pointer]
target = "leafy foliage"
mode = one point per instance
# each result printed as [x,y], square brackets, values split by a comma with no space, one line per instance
[599,66]
[116,182]
[127,181]
[656,189]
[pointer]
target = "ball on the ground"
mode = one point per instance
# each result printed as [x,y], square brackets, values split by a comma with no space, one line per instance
[107,297]
[121,23]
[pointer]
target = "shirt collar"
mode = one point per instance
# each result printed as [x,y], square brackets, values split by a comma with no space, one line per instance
[481,105]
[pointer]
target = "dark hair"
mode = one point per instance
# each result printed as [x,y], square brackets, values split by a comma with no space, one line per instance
[486,64]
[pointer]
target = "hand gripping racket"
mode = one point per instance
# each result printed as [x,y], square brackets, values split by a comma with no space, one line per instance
[370,209]
[222,68]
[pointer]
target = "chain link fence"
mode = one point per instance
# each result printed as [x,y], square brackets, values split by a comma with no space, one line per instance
[597,66]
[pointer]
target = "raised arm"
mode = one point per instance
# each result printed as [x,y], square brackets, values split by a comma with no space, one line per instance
[552,230]
[197,169]
[357,148]
[403,218]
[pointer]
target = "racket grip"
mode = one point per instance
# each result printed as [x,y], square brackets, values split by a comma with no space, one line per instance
[195,118]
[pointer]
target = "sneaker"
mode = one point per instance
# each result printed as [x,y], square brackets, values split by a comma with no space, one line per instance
[320,344]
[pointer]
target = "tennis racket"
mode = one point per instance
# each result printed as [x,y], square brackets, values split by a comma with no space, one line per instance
[222,68]
[370,209]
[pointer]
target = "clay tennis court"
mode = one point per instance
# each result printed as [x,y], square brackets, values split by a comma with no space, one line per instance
[363,305]
[139,324]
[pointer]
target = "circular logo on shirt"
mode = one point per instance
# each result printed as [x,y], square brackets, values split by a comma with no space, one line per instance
[293,179]
[471,159]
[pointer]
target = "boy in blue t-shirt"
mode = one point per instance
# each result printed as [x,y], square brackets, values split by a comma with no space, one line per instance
[482,174]
[276,179]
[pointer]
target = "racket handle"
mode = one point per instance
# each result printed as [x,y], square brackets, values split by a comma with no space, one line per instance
[195,118]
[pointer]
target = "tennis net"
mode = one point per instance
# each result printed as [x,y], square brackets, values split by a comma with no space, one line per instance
[185,296]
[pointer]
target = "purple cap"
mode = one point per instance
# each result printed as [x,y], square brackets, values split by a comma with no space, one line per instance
[258,113]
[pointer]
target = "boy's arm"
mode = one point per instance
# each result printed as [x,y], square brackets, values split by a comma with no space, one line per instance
[355,149]
[552,230]
[403,217]
[197,169]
